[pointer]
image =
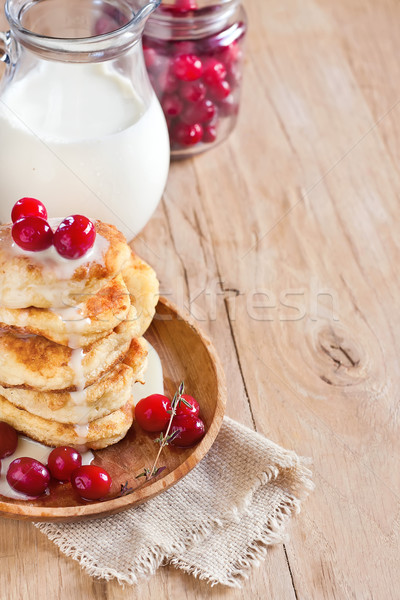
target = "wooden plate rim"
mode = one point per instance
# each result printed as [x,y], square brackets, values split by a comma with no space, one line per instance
[108,507]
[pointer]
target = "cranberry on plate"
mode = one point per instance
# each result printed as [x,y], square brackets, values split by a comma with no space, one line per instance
[91,482]
[63,461]
[190,430]
[28,476]
[184,409]
[8,440]
[153,412]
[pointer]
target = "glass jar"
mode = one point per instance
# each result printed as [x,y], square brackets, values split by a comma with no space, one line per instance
[193,51]
[80,125]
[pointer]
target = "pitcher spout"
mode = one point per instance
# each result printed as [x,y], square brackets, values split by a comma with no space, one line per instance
[144,10]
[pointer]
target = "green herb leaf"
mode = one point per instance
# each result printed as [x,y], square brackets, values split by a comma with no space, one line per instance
[125,490]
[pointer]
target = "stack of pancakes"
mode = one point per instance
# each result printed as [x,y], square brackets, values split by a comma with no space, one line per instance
[71,342]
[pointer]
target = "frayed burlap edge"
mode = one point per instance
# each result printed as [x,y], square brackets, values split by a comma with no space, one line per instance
[272,533]
[148,562]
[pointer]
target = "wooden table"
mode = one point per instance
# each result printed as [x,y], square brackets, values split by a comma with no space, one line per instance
[283,244]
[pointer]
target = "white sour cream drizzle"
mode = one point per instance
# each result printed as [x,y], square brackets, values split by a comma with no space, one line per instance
[73,316]
[154,377]
[81,423]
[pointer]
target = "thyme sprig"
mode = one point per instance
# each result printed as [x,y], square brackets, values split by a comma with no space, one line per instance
[147,473]
[125,490]
[166,438]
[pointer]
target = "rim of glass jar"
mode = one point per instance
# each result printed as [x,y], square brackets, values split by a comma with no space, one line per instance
[193,24]
[78,49]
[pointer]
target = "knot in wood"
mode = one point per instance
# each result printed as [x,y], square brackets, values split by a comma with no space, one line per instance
[339,356]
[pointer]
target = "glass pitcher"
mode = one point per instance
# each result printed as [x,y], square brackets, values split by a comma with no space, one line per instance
[80,126]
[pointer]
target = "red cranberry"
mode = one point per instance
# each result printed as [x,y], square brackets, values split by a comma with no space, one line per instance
[166,83]
[187,67]
[219,90]
[199,112]
[28,207]
[8,440]
[153,412]
[74,237]
[191,429]
[28,476]
[230,54]
[181,6]
[32,233]
[186,4]
[213,71]
[187,135]
[91,482]
[171,105]
[183,409]
[193,91]
[209,134]
[62,461]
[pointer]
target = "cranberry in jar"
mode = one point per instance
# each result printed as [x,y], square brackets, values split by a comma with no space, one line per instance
[194,57]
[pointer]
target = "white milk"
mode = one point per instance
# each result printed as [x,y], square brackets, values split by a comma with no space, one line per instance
[94,149]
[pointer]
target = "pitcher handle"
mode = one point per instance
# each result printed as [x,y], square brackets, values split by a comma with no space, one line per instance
[9,53]
[5,37]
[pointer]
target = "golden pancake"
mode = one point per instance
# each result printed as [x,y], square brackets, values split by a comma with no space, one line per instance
[136,357]
[142,284]
[106,395]
[47,280]
[70,339]
[38,363]
[99,434]
[93,317]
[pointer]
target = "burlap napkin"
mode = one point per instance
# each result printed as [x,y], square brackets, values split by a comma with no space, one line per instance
[214,523]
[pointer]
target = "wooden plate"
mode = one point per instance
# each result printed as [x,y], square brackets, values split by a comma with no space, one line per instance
[186,355]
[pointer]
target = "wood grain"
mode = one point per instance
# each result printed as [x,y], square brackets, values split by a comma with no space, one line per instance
[284,244]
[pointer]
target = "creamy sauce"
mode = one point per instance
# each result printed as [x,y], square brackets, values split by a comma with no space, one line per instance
[76,364]
[77,323]
[28,448]
[82,431]
[81,423]
[78,135]
[153,376]
[79,396]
